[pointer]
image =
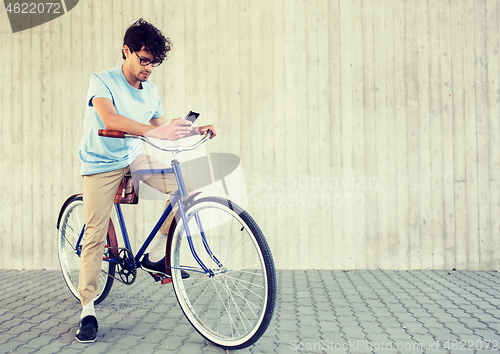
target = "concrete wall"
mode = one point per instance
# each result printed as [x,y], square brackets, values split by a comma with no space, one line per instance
[369,131]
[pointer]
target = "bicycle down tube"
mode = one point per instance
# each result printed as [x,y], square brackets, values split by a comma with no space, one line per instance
[178,196]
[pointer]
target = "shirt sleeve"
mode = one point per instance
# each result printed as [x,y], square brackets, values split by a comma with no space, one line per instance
[98,89]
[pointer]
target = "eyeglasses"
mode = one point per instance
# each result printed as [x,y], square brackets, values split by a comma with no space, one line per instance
[146,62]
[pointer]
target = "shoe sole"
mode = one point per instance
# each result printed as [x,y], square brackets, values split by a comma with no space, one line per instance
[155,271]
[86,341]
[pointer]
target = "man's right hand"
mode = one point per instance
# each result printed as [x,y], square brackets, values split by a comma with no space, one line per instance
[175,130]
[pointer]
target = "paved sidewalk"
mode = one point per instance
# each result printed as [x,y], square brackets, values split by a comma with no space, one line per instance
[317,312]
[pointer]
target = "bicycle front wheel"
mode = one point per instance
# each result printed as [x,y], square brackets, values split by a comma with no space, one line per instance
[232,304]
[71,226]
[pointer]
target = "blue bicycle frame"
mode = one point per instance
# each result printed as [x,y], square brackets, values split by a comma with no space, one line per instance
[181,195]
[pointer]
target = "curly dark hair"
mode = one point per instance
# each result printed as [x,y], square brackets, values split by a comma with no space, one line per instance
[143,34]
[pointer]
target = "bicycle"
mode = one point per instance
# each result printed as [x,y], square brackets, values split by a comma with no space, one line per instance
[230,295]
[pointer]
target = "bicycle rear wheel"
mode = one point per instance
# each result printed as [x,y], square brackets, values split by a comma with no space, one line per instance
[233,304]
[70,228]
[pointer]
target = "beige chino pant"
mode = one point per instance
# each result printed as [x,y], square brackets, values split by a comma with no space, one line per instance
[98,196]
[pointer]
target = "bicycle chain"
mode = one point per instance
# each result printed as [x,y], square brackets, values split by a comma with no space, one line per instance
[112,276]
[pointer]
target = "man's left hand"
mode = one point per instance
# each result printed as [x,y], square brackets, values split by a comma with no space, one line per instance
[204,130]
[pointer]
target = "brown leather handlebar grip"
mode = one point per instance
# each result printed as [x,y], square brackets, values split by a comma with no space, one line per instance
[111,133]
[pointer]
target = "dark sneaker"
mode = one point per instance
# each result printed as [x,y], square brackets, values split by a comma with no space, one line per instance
[158,267]
[87,330]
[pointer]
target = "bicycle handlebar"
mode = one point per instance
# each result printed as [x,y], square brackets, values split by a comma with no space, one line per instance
[111,133]
[122,135]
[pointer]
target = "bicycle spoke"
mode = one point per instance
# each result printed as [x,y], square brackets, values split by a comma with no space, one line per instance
[207,311]
[199,296]
[227,310]
[78,221]
[246,272]
[250,303]
[245,300]
[228,246]
[196,284]
[240,281]
[64,235]
[228,298]
[238,309]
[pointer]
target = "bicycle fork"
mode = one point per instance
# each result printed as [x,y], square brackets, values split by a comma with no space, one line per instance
[183,196]
[204,240]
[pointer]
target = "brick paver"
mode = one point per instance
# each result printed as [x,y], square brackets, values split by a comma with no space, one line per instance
[368,311]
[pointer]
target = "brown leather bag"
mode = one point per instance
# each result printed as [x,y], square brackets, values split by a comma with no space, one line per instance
[126,192]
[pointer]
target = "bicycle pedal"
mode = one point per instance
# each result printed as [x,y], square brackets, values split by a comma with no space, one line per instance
[163,278]
[160,277]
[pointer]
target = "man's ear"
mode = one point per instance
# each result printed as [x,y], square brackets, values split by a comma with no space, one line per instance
[126,51]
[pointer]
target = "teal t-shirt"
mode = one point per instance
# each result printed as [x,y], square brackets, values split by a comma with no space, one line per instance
[99,154]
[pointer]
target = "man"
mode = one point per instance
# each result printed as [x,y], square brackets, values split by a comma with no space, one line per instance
[122,99]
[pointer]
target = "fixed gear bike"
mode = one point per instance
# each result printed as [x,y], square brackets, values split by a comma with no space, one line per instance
[230,295]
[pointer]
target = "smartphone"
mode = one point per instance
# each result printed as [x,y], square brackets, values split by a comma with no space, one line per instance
[191,116]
